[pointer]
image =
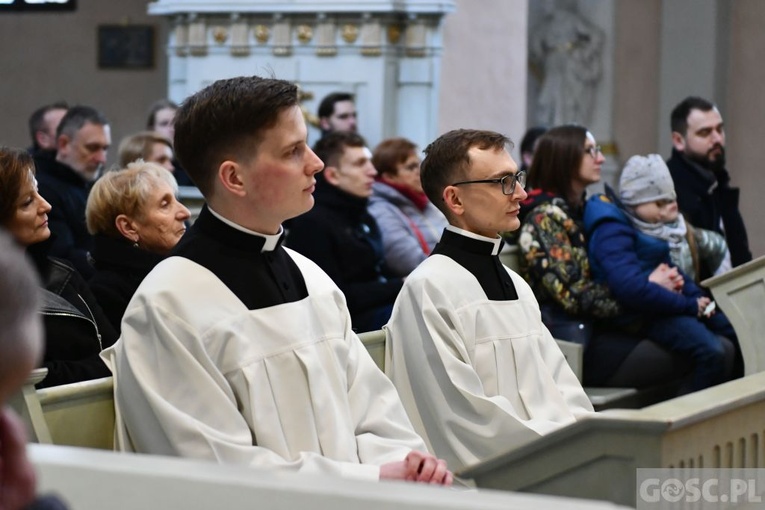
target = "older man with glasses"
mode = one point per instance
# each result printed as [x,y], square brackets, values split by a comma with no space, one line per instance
[476,369]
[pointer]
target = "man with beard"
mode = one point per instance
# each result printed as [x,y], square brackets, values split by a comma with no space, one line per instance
[702,182]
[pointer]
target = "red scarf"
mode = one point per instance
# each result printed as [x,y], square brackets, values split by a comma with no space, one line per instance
[418,198]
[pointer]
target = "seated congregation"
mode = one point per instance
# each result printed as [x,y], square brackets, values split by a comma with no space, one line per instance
[239,337]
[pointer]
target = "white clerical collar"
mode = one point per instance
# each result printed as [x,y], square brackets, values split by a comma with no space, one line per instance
[271,241]
[496,241]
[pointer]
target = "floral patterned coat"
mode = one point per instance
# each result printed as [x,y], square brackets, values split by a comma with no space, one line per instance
[554,258]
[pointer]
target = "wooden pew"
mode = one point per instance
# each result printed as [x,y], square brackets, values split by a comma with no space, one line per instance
[719,427]
[740,293]
[78,414]
[94,480]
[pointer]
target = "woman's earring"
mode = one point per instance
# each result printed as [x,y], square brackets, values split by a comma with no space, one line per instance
[135,243]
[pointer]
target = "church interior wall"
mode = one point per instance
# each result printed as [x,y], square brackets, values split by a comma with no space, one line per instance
[483,78]
[46,57]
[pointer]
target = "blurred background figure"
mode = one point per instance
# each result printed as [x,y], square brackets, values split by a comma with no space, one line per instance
[410,225]
[43,124]
[341,236]
[20,350]
[76,329]
[528,144]
[150,146]
[161,119]
[83,138]
[135,219]
[337,112]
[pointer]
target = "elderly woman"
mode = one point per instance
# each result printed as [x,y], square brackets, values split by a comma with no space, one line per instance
[136,220]
[554,260]
[410,224]
[76,329]
[149,146]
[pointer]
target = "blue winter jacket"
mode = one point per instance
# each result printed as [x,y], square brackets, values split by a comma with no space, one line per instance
[623,257]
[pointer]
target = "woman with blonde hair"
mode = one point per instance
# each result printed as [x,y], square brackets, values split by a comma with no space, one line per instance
[136,220]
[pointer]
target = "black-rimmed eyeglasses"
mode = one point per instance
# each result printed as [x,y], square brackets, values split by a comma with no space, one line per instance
[508,182]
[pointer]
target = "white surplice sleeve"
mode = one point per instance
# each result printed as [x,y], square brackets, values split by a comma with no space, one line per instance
[477,377]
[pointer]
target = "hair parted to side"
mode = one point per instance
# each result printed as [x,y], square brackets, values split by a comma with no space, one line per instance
[78,116]
[37,118]
[156,106]
[447,160]
[390,153]
[139,146]
[327,105]
[678,119]
[15,167]
[126,191]
[557,160]
[330,147]
[19,305]
[226,120]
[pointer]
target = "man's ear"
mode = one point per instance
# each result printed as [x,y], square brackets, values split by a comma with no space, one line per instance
[62,142]
[324,123]
[230,176]
[453,201]
[332,175]
[126,227]
[678,141]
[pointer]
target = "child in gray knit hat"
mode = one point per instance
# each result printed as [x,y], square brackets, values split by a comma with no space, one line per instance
[629,236]
[646,188]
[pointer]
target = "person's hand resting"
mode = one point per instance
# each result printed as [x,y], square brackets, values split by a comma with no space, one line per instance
[668,277]
[418,467]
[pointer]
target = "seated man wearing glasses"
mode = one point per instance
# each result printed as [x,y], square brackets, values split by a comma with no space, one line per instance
[476,369]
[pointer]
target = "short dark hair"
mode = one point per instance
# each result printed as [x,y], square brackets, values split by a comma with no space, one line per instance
[38,116]
[14,173]
[327,105]
[678,120]
[331,146]
[447,160]
[227,120]
[390,153]
[156,106]
[76,117]
[557,159]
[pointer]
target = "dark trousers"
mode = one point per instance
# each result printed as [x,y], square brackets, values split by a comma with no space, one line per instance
[697,339]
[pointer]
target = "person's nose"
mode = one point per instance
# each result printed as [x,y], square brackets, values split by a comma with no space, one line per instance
[314,164]
[519,193]
[45,206]
[183,212]
[371,170]
[100,156]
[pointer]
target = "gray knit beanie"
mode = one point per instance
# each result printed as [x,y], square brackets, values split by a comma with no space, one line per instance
[646,179]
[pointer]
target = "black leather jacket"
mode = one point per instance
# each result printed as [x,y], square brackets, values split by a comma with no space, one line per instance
[76,329]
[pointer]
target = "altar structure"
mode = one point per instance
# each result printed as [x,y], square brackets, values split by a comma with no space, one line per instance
[386,53]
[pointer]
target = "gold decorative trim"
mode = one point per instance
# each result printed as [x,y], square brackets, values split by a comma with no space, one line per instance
[350,33]
[326,51]
[394,33]
[262,34]
[220,35]
[371,51]
[416,52]
[609,149]
[304,33]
